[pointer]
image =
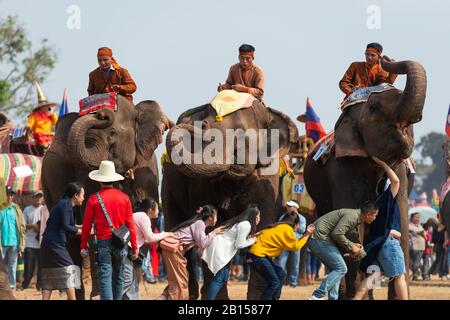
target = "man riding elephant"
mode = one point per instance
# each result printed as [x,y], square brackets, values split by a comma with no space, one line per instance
[379,125]
[245,76]
[368,73]
[110,77]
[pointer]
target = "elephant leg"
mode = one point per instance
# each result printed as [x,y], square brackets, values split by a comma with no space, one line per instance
[402,202]
[256,285]
[302,269]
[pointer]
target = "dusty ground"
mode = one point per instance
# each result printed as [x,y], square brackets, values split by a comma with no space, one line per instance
[422,290]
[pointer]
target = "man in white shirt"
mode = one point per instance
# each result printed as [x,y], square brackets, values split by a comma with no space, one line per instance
[31,256]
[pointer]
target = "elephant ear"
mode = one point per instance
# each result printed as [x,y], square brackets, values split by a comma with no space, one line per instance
[151,123]
[346,137]
[288,132]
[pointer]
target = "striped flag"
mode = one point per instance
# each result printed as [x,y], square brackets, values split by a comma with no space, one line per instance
[64,108]
[314,129]
[447,123]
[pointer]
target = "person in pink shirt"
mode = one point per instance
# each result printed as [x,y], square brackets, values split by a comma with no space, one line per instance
[190,233]
[146,209]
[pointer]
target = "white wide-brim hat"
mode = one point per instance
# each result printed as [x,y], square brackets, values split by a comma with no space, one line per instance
[105,173]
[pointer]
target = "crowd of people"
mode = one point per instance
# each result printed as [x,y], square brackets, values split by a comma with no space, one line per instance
[41,238]
[129,243]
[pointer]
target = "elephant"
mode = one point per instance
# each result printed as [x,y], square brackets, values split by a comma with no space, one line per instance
[128,137]
[444,210]
[381,127]
[230,187]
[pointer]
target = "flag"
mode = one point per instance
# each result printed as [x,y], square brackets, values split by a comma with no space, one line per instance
[447,124]
[314,129]
[64,108]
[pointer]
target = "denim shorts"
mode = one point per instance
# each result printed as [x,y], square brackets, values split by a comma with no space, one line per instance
[391,258]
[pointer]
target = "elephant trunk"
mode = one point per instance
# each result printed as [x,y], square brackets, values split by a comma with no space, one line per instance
[413,99]
[176,137]
[89,149]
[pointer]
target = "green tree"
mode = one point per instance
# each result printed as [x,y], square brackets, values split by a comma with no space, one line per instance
[430,175]
[21,66]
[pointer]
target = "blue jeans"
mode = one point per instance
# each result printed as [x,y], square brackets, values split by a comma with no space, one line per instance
[312,263]
[9,256]
[217,283]
[331,257]
[293,268]
[110,266]
[271,272]
[147,269]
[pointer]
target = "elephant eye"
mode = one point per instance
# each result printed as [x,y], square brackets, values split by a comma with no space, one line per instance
[112,132]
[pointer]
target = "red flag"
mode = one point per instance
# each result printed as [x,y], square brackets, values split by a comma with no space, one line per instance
[314,128]
[447,123]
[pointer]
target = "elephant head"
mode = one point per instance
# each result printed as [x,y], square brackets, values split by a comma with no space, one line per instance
[122,136]
[382,126]
[232,159]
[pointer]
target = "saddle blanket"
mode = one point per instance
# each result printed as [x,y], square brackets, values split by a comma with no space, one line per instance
[229,101]
[323,149]
[363,94]
[21,171]
[98,101]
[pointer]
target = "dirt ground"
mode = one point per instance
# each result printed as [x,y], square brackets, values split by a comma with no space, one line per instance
[434,289]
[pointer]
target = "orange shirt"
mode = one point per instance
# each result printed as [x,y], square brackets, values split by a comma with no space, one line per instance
[252,78]
[359,74]
[41,122]
[98,82]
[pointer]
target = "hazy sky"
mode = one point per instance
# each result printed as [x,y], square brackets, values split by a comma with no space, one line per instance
[179,50]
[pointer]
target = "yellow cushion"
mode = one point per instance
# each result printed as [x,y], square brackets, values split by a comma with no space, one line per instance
[229,101]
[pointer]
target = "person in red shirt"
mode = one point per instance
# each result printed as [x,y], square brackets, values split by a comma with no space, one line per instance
[110,260]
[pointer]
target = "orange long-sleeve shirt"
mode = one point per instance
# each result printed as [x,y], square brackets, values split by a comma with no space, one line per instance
[119,209]
[120,77]
[359,74]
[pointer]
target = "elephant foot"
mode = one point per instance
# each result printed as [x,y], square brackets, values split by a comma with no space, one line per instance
[256,285]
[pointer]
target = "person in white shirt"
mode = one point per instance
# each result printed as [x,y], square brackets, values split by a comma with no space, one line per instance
[240,232]
[31,255]
[146,209]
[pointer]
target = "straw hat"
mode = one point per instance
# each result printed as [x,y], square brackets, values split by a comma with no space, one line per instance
[302,117]
[105,173]
[42,100]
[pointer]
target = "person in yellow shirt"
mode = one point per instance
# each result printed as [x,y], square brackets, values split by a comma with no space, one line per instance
[270,243]
[41,120]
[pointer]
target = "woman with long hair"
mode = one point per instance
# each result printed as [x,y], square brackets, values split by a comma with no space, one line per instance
[190,233]
[270,243]
[58,272]
[239,233]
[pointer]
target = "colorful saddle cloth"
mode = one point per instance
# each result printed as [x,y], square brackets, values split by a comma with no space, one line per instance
[323,149]
[21,171]
[229,101]
[98,101]
[363,94]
